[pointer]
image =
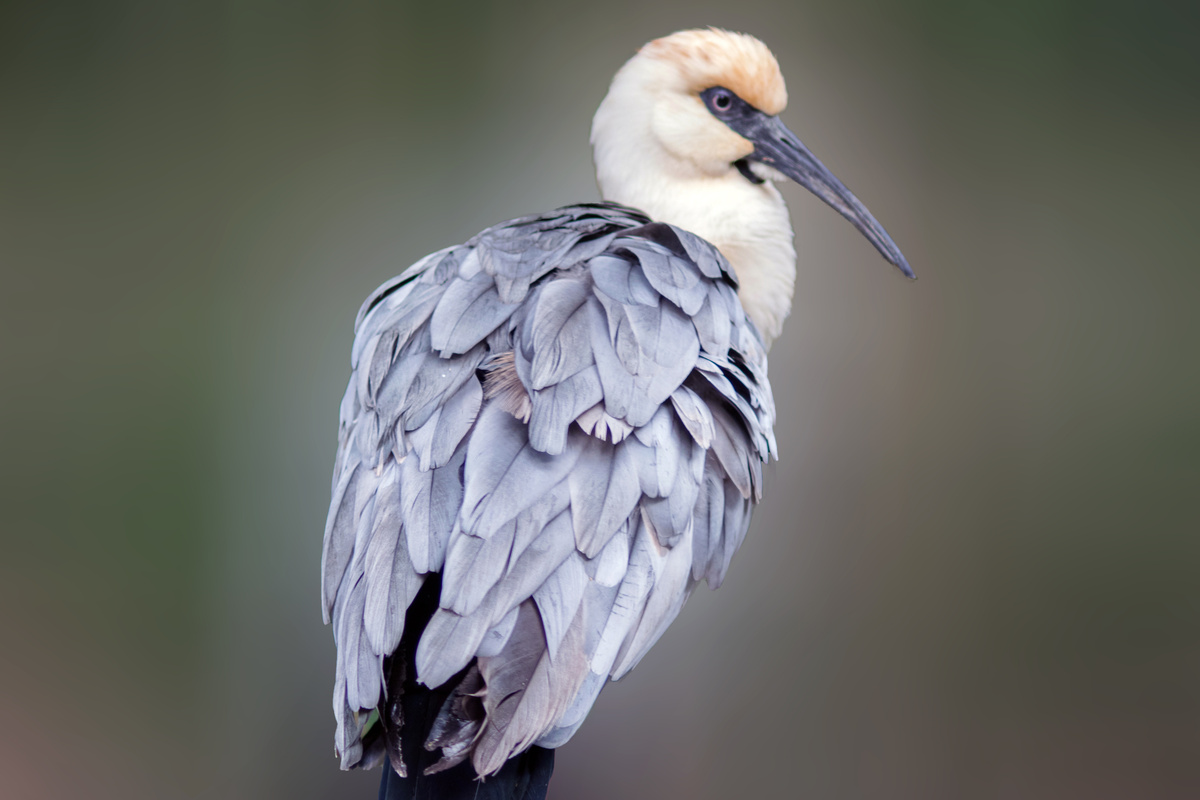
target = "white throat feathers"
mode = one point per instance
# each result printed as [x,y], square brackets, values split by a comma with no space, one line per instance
[658,149]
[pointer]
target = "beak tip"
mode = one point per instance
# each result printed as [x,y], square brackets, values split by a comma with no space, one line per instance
[901,263]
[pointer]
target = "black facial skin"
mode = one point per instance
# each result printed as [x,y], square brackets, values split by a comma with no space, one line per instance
[728,107]
[778,147]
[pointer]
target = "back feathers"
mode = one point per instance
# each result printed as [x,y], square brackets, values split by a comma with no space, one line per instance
[566,419]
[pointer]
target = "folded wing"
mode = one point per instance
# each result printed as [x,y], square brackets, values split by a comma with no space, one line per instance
[567,418]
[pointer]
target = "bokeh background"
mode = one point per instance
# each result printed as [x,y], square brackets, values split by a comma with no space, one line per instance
[977,570]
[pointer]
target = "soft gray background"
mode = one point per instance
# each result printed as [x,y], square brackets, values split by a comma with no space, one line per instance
[976,573]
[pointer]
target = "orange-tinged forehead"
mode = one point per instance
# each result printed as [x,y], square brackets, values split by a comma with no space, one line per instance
[714,57]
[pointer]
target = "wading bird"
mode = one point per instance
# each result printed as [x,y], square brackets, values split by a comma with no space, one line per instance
[553,432]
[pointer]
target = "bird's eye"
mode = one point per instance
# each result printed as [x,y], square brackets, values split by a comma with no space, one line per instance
[720,101]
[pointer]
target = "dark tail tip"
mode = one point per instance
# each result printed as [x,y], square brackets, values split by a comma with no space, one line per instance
[415,708]
[524,777]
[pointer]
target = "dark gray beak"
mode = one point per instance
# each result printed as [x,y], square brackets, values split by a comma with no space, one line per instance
[778,147]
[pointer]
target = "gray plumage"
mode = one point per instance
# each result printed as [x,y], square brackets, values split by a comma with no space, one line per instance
[567,418]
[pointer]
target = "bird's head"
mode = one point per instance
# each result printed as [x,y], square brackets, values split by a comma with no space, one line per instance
[693,83]
[690,133]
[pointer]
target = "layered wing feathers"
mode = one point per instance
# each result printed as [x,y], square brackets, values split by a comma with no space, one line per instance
[567,418]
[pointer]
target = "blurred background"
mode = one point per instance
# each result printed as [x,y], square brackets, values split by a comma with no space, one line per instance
[976,573]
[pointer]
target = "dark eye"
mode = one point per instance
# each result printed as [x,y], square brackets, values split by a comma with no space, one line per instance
[720,101]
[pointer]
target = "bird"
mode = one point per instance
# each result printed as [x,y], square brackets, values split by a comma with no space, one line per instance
[554,432]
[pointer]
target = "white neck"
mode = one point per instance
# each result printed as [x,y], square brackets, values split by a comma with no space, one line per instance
[747,222]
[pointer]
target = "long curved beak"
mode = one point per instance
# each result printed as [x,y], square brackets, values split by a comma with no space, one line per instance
[778,147]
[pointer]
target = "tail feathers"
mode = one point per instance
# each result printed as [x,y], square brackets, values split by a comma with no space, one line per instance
[415,718]
[523,777]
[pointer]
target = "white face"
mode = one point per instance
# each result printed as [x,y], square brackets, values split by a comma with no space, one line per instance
[654,112]
[684,128]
